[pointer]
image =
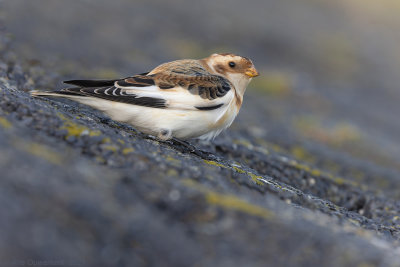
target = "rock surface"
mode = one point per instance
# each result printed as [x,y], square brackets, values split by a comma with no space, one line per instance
[80,189]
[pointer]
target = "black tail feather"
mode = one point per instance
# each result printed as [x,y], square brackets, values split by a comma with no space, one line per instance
[91,83]
[96,83]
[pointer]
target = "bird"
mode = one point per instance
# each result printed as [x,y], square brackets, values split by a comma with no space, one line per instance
[183,99]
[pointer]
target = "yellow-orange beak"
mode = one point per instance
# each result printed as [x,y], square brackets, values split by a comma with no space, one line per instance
[252,72]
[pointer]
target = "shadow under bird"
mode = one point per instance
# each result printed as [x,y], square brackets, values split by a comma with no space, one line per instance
[181,99]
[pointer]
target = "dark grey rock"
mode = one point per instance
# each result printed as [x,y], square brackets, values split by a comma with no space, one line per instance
[80,189]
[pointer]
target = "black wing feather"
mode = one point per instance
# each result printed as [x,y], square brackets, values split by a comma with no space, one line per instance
[137,81]
[210,107]
[195,79]
[91,83]
[207,86]
[115,94]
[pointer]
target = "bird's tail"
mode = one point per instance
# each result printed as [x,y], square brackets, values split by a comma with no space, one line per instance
[36,93]
[43,93]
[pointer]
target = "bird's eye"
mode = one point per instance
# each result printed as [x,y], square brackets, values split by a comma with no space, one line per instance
[232,64]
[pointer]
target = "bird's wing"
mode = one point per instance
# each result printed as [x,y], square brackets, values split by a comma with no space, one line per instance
[174,89]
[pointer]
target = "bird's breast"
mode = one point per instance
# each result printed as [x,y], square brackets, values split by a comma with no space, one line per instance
[227,117]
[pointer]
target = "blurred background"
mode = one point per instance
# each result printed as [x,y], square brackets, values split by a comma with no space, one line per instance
[329,69]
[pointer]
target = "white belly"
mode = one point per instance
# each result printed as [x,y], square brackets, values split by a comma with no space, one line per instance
[184,124]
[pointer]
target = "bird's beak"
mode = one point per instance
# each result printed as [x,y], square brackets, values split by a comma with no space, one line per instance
[252,72]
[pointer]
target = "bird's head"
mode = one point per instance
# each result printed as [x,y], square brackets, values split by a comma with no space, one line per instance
[238,70]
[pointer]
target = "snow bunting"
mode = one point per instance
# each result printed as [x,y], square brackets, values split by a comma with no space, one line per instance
[180,99]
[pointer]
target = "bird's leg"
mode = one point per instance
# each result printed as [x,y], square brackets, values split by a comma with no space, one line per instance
[191,147]
[165,134]
[194,150]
